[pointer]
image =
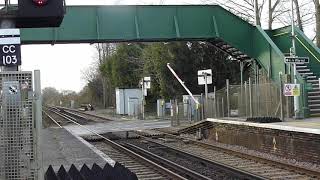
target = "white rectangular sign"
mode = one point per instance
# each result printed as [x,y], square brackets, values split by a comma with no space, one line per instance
[202,74]
[147,82]
[10,50]
[291,90]
[294,60]
[202,80]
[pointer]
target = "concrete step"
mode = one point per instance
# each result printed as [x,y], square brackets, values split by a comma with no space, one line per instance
[313,106]
[314,92]
[314,89]
[302,66]
[314,110]
[313,97]
[303,70]
[314,101]
[306,73]
[312,80]
[311,77]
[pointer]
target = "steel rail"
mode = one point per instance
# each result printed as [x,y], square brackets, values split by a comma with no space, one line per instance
[86,114]
[160,160]
[242,173]
[125,150]
[282,165]
[51,118]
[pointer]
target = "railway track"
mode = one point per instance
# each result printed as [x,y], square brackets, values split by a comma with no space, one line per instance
[141,166]
[84,115]
[148,165]
[254,165]
[184,156]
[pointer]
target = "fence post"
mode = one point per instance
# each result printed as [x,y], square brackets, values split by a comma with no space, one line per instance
[304,95]
[222,107]
[245,99]
[281,97]
[228,97]
[250,97]
[177,112]
[215,101]
[218,107]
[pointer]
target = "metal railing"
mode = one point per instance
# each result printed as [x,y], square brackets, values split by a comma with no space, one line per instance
[248,100]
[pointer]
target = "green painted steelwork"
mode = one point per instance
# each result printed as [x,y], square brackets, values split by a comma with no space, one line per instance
[304,46]
[92,24]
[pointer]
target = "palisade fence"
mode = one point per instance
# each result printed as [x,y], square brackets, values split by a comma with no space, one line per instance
[235,101]
[247,100]
[264,99]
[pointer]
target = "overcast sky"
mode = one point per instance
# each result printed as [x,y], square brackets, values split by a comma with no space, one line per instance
[61,65]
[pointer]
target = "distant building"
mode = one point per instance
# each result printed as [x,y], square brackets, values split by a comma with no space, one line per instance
[128,101]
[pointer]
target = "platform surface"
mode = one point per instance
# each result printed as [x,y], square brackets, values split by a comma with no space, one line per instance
[60,147]
[310,125]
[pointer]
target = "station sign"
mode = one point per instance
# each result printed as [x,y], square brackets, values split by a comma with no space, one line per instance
[291,90]
[293,60]
[10,47]
[205,77]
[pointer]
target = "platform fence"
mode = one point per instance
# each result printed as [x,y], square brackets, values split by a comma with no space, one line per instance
[247,100]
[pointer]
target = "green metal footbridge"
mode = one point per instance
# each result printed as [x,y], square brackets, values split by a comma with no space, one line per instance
[238,38]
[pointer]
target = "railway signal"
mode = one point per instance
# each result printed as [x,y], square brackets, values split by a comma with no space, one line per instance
[39,13]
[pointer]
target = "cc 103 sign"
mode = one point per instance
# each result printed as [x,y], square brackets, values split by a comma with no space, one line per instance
[10,55]
[10,50]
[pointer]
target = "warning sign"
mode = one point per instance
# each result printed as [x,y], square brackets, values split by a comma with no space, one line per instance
[291,90]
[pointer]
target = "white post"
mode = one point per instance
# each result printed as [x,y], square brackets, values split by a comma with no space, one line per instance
[293,53]
[142,103]
[228,97]
[38,121]
[206,86]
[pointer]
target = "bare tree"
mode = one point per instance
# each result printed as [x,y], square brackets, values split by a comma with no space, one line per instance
[317,14]
[105,50]
[272,12]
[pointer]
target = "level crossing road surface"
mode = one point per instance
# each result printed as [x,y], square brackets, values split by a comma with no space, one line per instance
[114,126]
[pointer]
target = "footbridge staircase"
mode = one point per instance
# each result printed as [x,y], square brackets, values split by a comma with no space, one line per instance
[93,24]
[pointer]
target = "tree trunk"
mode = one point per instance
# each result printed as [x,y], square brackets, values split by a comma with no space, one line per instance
[256,10]
[270,11]
[317,8]
[296,3]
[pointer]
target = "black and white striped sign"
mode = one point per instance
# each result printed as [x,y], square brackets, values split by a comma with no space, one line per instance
[10,50]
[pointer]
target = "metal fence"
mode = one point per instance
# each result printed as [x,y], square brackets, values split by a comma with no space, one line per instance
[17,149]
[247,100]
[186,112]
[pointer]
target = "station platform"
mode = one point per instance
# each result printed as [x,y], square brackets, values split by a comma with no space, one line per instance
[294,141]
[60,147]
[310,125]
